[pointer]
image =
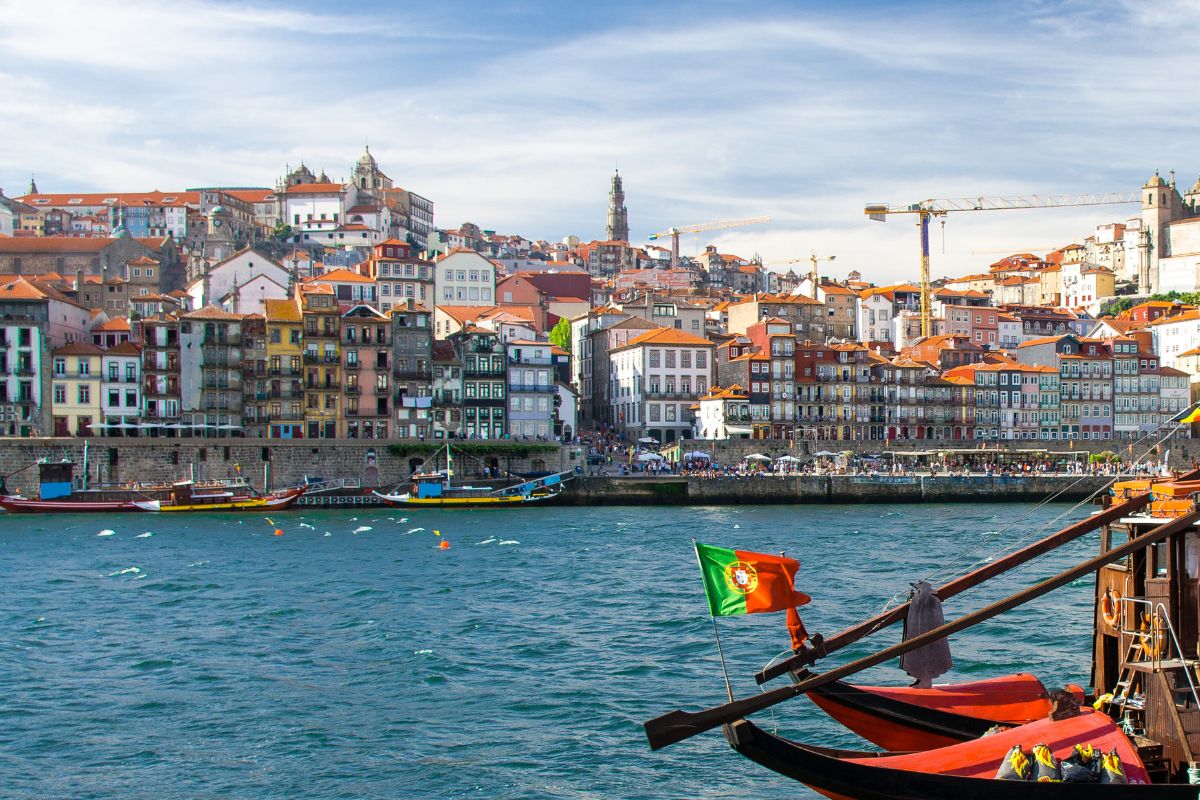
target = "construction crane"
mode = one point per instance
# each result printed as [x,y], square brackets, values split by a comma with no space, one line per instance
[928,209]
[702,227]
[813,259]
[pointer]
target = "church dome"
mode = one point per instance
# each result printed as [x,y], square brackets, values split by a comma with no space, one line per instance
[1155,182]
[212,212]
[366,159]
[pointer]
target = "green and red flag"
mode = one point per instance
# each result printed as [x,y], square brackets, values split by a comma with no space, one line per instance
[741,582]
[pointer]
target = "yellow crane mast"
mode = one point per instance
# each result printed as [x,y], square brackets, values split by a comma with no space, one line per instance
[700,228]
[928,209]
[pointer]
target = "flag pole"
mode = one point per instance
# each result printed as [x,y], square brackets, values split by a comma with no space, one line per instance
[716,632]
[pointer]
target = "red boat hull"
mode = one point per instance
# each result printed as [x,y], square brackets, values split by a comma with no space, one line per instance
[907,719]
[966,770]
[23,505]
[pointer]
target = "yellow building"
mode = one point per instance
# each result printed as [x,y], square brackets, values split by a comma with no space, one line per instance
[322,374]
[284,385]
[75,390]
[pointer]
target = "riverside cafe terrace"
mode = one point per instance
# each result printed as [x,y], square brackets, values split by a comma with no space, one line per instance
[981,460]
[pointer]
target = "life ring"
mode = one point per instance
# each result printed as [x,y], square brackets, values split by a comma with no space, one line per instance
[1110,607]
[1151,638]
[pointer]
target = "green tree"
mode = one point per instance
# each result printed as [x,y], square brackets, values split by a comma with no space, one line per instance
[282,231]
[561,334]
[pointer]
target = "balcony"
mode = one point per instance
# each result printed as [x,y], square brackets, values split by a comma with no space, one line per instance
[530,387]
[26,369]
[356,389]
[383,390]
[412,375]
[311,358]
[353,365]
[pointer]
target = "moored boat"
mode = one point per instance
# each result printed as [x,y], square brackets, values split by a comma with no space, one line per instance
[1144,674]
[912,718]
[964,770]
[185,496]
[17,504]
[435,489]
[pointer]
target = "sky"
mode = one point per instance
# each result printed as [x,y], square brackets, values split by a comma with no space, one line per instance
[514,115]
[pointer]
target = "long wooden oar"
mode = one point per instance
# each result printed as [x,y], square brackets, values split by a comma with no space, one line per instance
[957,586]
[679,725]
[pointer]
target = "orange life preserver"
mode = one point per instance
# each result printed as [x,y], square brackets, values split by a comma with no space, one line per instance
[1151,638]
[1110,607]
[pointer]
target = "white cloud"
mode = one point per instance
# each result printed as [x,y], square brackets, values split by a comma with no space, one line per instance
[804,118]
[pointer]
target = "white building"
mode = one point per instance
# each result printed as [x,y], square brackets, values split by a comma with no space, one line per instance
[1174,393]
[655,379]
[239,270]
[1175,335]
[313,209]
[463,277]
[250,297]
[875,314]
[120,386]
[724,414]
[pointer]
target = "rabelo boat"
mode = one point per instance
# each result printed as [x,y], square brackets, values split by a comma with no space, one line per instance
[1144,678]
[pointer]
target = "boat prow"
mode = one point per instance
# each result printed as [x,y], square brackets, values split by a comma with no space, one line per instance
[909,718]
[965,770]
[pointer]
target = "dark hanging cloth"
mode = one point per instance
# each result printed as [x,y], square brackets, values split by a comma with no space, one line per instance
[925,614]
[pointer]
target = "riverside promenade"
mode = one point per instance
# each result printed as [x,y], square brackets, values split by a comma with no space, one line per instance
[772,489]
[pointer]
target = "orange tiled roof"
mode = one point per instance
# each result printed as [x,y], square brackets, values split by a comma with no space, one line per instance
[667,336]
[116,324]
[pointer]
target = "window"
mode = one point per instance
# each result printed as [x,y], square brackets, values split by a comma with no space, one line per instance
[85,394]
[60,393]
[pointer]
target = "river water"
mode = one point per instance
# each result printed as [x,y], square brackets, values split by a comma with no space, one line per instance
[157,656]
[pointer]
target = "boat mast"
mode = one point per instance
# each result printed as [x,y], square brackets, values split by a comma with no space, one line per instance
[85,463]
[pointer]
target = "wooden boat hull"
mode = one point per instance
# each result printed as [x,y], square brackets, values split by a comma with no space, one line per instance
[23,505]
[952,773]
[489,501]
[907,718]
[269,503]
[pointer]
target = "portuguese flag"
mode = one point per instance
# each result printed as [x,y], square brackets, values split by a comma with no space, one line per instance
[740,582]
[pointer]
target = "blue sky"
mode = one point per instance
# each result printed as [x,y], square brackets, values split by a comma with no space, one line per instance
[513,115]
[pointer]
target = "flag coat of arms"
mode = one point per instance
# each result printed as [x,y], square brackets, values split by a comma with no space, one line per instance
[742,582]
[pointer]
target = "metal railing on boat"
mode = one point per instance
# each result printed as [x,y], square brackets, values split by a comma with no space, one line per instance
[1158,612]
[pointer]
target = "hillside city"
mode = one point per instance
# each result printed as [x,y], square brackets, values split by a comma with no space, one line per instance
[322,309]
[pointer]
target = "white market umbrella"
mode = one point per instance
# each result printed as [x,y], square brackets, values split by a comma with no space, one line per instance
[788,459]
[648,440]
[757,457]
[98,425]
[650,457]
[229,427]
[696,454]
[825,453]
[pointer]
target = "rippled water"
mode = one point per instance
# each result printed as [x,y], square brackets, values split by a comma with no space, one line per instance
[212,658]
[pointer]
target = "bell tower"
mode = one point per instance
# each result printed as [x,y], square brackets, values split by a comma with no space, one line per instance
[618,216]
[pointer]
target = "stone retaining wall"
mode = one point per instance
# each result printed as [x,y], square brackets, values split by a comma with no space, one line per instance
[827,489]
[276,462]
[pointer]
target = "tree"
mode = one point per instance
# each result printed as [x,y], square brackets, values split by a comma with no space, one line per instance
[561,334]
[282,231]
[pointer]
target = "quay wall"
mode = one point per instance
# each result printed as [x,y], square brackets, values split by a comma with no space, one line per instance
[272,463]
[828,489]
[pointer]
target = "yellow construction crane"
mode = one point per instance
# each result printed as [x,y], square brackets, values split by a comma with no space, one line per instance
[813,259]
[928,209]
[702,227]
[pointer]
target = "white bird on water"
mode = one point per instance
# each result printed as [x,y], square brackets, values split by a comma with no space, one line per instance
[106,532]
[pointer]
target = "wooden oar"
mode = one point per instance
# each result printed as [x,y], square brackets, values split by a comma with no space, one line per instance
[679,725]
[956,586]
